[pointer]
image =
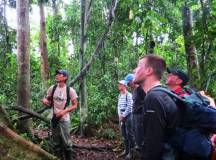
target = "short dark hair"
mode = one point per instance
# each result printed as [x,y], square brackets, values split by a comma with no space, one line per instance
[157,63]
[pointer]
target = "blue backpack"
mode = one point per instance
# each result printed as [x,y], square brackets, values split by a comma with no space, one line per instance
[197,122]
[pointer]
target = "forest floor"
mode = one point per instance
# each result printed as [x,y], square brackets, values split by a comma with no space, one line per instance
[99,149]
[94,148]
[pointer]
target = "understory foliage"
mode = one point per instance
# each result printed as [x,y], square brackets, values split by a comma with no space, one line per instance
[139,27]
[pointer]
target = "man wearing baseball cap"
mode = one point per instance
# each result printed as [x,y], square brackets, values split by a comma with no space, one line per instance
[58,98]
[176,80]
[63,72]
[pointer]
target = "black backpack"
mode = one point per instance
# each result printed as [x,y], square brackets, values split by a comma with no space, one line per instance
[197,122]
[195,111]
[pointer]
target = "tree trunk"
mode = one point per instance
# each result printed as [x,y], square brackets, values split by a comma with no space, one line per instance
[14,146]
[83,89]
[189,45]
[99,46]
[207,45]
[54,7]
[55,28]
[23,82]
[5,36]
[151,44]
[43,46]
[116,62]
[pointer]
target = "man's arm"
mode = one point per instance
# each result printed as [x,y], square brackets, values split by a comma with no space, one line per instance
[68,109]
[129,105]
[73,106]
[47,101]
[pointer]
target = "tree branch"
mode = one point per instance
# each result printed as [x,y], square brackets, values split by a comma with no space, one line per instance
[93,147]
[99,45]
[29,116]
[34,114]
[88,12]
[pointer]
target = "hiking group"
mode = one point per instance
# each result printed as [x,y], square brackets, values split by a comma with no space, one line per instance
[157,123]
[164,123]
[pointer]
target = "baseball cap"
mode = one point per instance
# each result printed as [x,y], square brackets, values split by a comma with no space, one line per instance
[181,74]
[122,82]
[129,77]
[62,71]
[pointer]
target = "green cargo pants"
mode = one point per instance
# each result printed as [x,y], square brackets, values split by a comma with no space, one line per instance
[61,140]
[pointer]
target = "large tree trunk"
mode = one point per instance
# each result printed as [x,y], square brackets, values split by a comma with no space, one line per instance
[23,82]
[43,46]
[189,45]
[83,43]
[14,146]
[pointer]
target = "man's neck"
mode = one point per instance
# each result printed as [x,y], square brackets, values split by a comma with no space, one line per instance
[61,84]
[174,87]
[150,83]
[123,92]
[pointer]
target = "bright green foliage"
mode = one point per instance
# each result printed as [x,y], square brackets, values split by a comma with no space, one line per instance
[138,23]
[8,80]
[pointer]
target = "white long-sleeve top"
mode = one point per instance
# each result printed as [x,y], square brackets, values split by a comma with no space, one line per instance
[125,102]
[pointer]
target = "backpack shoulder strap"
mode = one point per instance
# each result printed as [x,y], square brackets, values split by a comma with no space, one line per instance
[68,96]
[171,94]
[126,99]
[52,93]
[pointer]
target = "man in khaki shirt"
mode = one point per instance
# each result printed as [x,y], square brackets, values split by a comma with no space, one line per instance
[60,123]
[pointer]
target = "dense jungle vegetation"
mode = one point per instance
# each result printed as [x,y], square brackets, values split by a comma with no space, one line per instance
[107,35]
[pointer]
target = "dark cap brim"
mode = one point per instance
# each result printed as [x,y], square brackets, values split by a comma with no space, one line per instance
[169,70]
[62,72]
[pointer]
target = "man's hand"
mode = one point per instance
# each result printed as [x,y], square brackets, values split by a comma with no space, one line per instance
[213,140]
[211,100]
[61,113]
[65,111]
[68,109]
[121,118]
[46,102]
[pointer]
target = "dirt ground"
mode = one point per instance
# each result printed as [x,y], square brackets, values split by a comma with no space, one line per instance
[93,148]
[102,149]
